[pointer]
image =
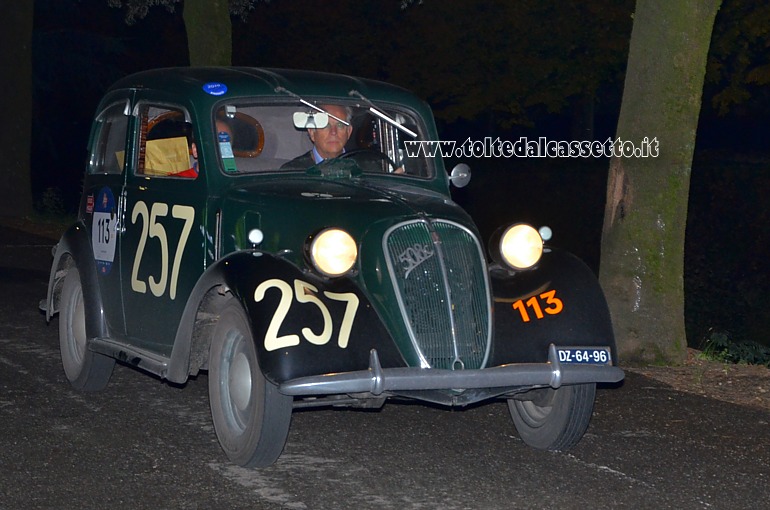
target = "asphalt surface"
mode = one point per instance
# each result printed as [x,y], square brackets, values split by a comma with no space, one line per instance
[142,443]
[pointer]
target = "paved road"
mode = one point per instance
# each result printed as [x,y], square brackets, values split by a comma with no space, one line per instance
[142,443]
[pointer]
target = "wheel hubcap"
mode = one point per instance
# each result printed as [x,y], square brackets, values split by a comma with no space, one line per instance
[240,381]
[536,413]
[236,381]
[78,325]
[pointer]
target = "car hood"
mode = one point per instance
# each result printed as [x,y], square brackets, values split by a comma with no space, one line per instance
[288,209]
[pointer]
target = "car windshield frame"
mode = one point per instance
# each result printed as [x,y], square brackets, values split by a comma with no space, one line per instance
[279,141]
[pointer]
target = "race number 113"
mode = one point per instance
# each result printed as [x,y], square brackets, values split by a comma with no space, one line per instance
[545,304]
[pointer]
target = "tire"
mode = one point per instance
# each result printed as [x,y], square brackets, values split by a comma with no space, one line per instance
[85,370]
[554,419]
[251,418]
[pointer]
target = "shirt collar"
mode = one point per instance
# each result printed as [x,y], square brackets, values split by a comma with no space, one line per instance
[317,158]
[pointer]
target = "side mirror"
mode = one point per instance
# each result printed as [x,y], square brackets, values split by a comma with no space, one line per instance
[311,120]
[461,175]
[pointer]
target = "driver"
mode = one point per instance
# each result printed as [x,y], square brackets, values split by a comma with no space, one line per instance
[328,142]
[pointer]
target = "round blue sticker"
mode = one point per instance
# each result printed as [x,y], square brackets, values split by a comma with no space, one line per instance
[215,88]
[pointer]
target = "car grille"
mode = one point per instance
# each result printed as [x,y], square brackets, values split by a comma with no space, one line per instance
[437,270]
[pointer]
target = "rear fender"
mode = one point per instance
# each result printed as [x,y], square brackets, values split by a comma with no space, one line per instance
[74,249]
[559,302]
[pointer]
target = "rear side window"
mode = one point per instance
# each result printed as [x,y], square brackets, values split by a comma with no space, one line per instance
[108,154]
[166,145]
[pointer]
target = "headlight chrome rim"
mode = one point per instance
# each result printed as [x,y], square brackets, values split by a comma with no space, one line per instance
[520,246]
[332,252]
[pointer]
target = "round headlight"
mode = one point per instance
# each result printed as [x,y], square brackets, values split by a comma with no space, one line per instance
[521,246]
[333,252]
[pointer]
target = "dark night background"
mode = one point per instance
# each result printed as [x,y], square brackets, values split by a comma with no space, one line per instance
[499,69]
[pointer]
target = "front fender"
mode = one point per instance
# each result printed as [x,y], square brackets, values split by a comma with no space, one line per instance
[559,302]
[74,249]
[302,324]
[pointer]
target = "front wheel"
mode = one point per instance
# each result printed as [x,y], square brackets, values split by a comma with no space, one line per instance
[251,418]
[550,419]
[86,370]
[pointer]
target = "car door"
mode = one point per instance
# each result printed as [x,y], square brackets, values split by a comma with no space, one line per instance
[163,236]
[100,204]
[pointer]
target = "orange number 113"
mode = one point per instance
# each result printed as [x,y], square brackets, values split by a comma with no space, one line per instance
[553,305]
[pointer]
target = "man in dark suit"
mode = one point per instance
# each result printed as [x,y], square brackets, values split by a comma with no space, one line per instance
[328,142]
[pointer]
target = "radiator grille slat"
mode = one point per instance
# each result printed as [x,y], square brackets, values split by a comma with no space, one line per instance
[439,275]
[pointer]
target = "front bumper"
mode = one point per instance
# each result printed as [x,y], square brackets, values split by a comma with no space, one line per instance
[377,380]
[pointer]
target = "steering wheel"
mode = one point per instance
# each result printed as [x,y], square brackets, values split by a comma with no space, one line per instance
[370,155]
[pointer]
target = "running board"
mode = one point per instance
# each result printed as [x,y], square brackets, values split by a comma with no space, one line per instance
[151,362]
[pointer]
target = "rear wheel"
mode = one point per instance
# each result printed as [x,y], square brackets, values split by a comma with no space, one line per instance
[553,419]
[86,370]
[251,418]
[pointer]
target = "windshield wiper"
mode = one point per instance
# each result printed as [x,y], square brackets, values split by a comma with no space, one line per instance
[381,115]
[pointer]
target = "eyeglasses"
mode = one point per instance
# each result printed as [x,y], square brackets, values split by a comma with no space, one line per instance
[337,124]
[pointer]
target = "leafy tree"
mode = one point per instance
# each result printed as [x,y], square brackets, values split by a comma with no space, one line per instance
[738,65]
[209,32]
[646,209]
[498,61]
[517,58]
[207,23]
[16,105]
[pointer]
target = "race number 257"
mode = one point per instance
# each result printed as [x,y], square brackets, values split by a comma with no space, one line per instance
[152,228]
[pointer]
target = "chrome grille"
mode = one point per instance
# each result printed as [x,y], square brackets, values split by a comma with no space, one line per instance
[438,273]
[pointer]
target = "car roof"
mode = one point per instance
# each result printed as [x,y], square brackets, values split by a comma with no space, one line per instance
[189,82]
[204,89]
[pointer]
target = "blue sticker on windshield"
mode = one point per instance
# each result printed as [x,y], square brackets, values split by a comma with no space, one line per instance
[215,88]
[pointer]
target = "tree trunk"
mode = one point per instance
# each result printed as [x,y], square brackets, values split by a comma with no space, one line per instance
[642,257]
[209,32]
[16,105]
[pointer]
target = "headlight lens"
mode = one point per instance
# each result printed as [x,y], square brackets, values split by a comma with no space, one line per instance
[333,252]
[521,246]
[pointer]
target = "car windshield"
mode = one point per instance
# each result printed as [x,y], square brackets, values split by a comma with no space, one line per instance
[281,137]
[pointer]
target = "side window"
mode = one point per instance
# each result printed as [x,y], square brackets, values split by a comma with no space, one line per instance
[371,132]
[166,144]
[108,153]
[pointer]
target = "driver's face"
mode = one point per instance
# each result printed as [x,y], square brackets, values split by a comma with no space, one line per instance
[330,140]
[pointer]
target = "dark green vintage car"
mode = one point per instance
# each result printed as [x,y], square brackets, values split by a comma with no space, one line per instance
[210,238]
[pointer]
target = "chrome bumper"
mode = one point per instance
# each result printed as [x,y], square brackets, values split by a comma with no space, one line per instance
[377,380]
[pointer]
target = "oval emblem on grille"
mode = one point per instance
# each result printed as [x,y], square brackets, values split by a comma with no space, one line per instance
[413,256]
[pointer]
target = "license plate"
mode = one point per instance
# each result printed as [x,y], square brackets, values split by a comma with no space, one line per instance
[585,355]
